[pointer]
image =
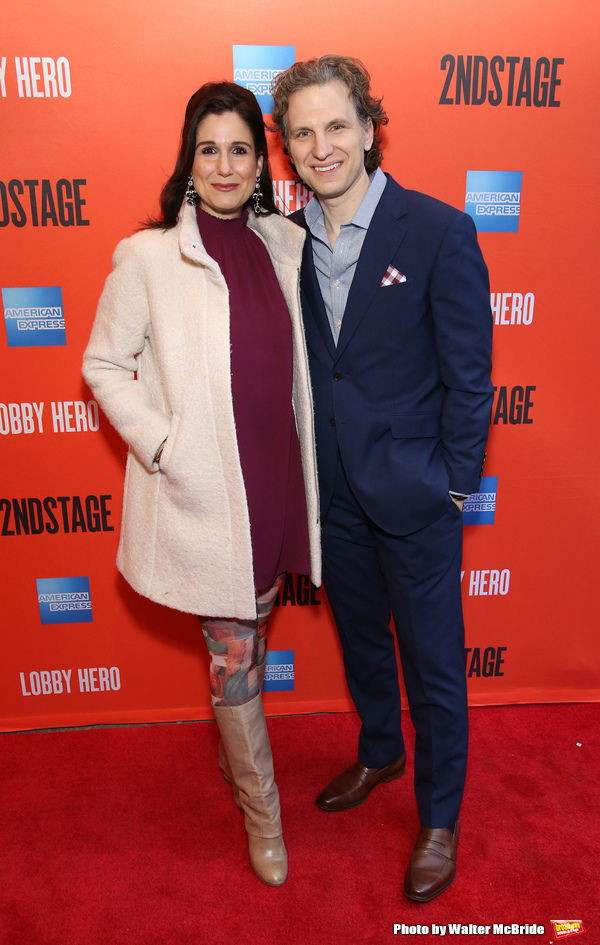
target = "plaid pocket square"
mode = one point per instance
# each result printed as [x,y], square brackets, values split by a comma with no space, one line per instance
[392,277]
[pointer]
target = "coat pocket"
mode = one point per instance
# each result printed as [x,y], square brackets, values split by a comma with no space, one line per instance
[169,446]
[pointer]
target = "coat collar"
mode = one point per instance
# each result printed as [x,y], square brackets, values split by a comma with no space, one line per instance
[283,239]
[309,285]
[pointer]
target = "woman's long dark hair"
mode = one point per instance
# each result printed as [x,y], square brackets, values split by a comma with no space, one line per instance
[214,98]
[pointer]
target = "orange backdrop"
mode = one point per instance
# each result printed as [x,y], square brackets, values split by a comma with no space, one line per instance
[91,101]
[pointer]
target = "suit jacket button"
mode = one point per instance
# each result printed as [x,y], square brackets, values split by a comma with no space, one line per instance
[332,421]
[337,376]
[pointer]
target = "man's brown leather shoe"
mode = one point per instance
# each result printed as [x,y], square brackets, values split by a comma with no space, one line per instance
[354,785]
[432,865]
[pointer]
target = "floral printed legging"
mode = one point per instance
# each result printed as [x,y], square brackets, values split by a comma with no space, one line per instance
[238,649]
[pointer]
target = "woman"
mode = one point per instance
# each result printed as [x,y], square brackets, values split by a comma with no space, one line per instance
[198,358]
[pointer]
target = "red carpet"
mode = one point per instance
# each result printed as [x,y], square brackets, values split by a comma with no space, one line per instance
[130,835]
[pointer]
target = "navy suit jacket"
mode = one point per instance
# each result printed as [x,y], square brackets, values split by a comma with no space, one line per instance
[406,395]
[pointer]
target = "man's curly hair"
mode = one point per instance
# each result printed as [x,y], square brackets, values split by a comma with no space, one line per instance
[319,72]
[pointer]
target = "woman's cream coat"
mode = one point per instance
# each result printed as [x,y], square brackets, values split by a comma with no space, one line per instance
[158,362]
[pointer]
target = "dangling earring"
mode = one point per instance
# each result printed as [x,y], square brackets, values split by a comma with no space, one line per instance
[256,196]
[190,194]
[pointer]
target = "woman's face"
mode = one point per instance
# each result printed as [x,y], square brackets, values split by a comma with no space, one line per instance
[225,164]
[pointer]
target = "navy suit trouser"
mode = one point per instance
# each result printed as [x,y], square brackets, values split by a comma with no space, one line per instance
[369,575]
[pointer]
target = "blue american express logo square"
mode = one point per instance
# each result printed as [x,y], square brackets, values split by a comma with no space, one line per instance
[493,199]
[34,316]
[480,507]
[64,600]
[279,671]
[255,67]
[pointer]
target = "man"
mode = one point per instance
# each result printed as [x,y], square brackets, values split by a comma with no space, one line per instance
[395,297]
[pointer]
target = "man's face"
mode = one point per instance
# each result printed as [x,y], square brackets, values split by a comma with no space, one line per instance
[327,141]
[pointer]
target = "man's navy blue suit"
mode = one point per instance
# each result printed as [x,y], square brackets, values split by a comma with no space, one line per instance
[402,409]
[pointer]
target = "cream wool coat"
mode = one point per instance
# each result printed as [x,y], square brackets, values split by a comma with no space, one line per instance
[158,363]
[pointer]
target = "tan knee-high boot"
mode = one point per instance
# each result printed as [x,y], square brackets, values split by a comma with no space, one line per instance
[244,732]
[222,754]
[226,769]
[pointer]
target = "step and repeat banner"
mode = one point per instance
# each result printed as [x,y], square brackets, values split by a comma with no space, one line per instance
[494,109]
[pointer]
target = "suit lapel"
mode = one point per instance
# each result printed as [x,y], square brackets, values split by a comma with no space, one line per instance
[316,324]
[386,231]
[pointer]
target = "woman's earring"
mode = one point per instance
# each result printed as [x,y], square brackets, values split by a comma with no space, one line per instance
[191,195]
[256,196]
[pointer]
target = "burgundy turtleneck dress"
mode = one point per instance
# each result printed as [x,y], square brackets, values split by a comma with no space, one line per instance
[261,383]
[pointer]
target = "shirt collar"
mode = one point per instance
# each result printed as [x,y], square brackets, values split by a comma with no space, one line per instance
[313,213]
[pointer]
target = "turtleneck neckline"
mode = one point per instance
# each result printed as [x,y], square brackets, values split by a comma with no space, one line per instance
[224,227]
